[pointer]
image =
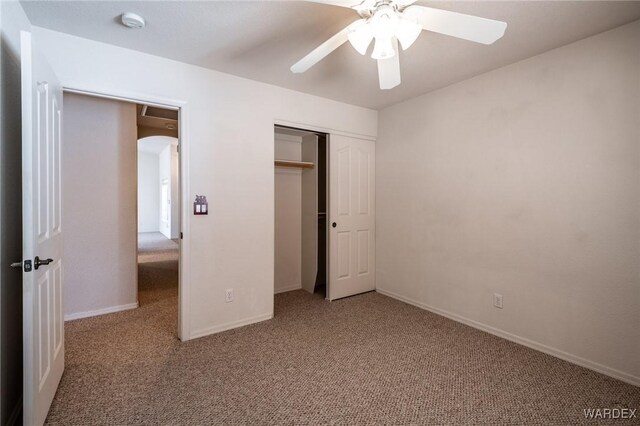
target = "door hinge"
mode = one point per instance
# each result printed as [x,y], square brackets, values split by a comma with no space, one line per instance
[181,235]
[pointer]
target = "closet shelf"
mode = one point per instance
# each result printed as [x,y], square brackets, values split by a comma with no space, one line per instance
[294,164]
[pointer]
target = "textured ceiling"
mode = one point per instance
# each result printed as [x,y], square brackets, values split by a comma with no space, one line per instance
[261,40]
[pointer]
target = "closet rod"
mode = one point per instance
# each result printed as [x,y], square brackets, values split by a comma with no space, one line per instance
[294,164]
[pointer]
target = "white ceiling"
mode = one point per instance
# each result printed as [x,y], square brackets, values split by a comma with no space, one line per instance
[261,40]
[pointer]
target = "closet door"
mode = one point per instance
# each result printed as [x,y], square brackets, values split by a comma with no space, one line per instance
[352,216]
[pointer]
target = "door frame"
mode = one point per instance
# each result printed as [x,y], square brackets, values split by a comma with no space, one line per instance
[320,129]
[184,283]
[327,131]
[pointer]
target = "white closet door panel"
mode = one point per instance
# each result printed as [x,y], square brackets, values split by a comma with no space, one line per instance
[352,216]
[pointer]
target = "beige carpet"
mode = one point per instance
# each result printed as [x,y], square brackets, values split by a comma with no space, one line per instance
[363,360]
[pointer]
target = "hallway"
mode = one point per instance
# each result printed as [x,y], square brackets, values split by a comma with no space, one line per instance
[158,275]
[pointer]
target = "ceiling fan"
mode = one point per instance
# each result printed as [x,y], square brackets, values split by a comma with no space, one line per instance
[393,22]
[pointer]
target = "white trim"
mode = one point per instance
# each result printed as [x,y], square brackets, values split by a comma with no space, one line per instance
[230,325]
[184,284]
[574,359]
[102,311]
[311,127]
[130,97]
[184,266]
[288,288]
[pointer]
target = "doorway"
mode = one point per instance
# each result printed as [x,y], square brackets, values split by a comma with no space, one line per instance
[112,149]
[158,212]
[300,211]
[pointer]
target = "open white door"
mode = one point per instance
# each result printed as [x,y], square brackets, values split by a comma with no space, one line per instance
[352,216]
[43,324]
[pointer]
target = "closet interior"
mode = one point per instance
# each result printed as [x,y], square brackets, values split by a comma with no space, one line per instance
[301,228]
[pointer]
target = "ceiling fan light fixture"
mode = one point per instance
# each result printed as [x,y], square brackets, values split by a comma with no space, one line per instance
[384,22]
[383,49]
[394,23]
[360,38]
[407,32]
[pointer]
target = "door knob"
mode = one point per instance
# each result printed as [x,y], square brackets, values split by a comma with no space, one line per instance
[37,262]
[333,225]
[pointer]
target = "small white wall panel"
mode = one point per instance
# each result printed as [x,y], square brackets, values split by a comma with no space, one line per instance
[42,173]
[58,315]
[44,328]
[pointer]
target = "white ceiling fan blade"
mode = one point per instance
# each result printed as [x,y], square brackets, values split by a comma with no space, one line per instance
[472,28]
[389,69]
[403,3]
[342,3]
[323,50]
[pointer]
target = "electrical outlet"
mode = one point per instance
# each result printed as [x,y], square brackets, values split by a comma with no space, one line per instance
[497,300]
[228,295]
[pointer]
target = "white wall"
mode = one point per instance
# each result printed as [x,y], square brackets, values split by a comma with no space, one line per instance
[288,216]
[164,167]
[99,205]
[169,169]
[230,131]
[524,181]
[12,21]
[175,192]
[162,151]
[148,192]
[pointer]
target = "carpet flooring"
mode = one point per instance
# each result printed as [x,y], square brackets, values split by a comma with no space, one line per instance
[363,360]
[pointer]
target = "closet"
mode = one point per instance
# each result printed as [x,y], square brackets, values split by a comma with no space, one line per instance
[324,213]
[300,210]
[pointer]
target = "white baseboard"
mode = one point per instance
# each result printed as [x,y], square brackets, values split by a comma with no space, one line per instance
[102,311]
[230,325]
[288,288]
[15,414]
[574,359]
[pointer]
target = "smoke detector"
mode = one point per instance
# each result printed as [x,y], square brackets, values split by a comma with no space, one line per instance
[133,20]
